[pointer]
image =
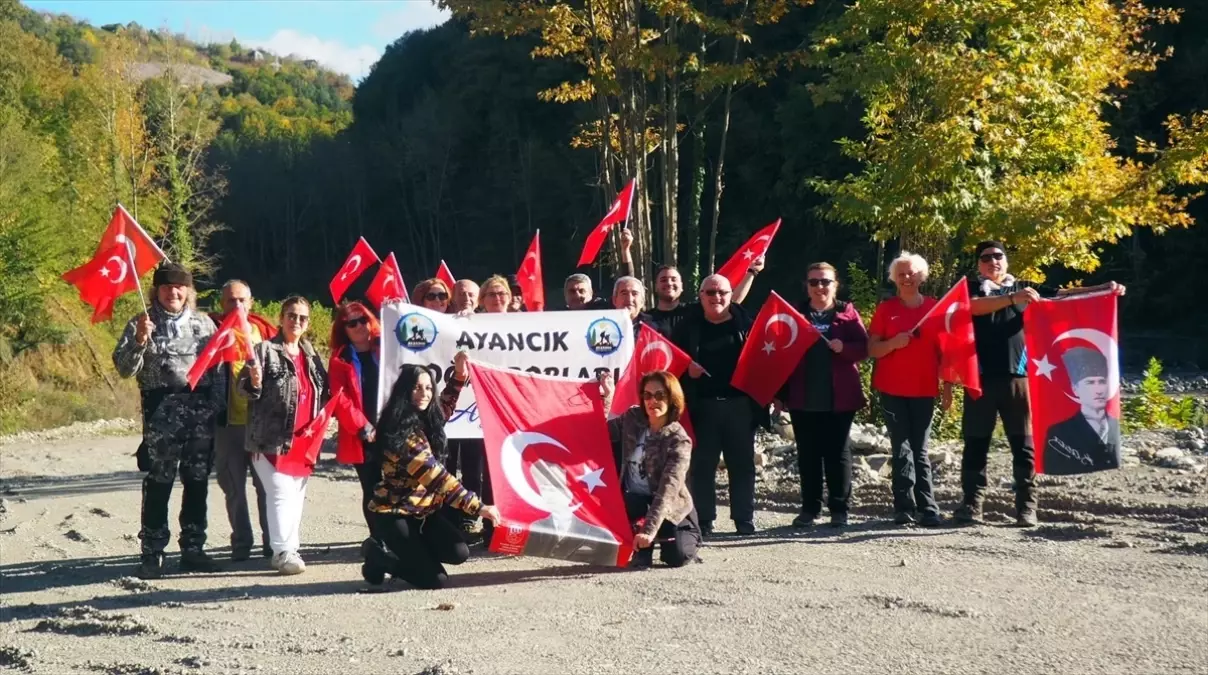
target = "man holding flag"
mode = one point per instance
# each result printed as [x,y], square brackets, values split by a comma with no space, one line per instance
[159,348]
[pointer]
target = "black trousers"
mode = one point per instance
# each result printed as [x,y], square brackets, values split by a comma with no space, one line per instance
[369,473]
[823,451]
[724,428]
[1007,397]
[909,423]
[194,460]
[421,547]
[475,474]
[677,543]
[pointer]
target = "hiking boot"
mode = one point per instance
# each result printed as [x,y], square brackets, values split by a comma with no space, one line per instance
[266,551]
[198,561]
[1026,518]
[805,521]
[931,519]
[903,518]
[744,528]
[642,558]
[968,513]
[151,566]
[241,554]
[838,520]
[706,530]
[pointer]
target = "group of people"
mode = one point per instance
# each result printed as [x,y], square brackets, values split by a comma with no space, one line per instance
[420,515]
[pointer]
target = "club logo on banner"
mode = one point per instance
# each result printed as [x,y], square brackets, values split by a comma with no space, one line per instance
[1074,379]
[575,345]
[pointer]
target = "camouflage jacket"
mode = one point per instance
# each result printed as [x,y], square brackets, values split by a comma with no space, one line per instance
[668,452]
[171,411]
[274,406]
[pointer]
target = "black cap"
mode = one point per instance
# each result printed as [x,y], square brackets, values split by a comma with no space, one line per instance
[988,245]
[513,281]
[171,273]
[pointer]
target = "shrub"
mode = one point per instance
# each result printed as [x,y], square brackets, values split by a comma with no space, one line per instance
[1153,408]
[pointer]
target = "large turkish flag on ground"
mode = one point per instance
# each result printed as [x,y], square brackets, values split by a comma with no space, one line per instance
[619,213]
[1074,380]
[387,284]
[359,260]
[552,468]
[230,343]
[104,279]
[532,285]
[950,324]
[778,340]
[757,245]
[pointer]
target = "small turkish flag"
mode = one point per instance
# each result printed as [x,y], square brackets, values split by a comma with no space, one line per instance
[778,340]
[387,284]
[104,279]
[756,246]
[358,261]
[950,324]
[123,229]
[304,449]
[1074,381]
[532,285]
[230,343]
[651,352]
[619,213]
[444,274]
[552,469]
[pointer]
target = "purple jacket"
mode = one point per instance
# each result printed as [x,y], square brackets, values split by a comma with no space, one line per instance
[845,377]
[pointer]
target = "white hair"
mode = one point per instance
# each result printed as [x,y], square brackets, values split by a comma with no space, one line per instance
[616,285]
[916,261]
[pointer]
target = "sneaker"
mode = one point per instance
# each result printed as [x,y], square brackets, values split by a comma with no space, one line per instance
[903,518]
[931,519]
[151,566]
[968,513]
[838,520]
[744,528]
[241,554]
[1026,518]
[278,558]
[805,521]
[198,561]
[291,563]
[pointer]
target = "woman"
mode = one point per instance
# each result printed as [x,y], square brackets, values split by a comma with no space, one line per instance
[653,464]
[822,397]
[906,374]
[431,294]
[415,485]
[354,367]
[495,295]
[287,387]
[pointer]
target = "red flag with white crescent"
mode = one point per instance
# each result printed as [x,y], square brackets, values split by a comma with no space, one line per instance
[444,274]
[532,285]
[756,246]
[1073,358]
[552,469]
[651,352]
[778,340]
[950,324]
[619,213]
[387,284]
[123,229]
[359,260]
[304,449]
[105,278]
[232,342]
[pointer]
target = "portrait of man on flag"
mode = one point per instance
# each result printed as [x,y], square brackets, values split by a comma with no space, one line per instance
[1090,439]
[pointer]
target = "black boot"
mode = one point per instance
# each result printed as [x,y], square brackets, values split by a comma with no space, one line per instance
[151,567]
[198,561]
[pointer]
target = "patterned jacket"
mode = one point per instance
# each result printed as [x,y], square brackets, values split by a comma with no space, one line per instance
[172,413]
[414,482]
[668,452]
[274,406]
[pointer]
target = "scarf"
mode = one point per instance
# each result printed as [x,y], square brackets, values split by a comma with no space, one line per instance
[988,286]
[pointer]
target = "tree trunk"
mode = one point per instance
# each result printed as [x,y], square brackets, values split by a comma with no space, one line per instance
[671,161]
[719,172]
[691,268]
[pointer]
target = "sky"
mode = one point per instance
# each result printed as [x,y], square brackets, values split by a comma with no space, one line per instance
[347,36]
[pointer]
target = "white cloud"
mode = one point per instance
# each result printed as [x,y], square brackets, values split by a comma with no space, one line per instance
[411,15]
[353,61]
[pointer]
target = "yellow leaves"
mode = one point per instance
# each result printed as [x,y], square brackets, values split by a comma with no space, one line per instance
[568,92]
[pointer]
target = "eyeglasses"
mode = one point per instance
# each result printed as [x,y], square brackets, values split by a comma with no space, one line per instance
[825,283]
[987,257]
[358,321]
[498,294]
[436,296]
[716,293]
[297,318]
[658,396]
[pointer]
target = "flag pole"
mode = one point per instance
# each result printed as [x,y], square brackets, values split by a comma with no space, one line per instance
[133,270]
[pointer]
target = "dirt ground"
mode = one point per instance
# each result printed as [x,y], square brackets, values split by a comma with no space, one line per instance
[1115,580]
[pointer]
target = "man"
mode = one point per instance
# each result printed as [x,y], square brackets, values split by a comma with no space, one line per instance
[998,304]
[669,287]
[563,534]
[159,347]
[577,288]
[629,294]
[465,297]
[1090,439]
[517,294]
[713,334]
[231,460]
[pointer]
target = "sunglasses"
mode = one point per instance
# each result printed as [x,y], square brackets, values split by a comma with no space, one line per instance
[659,396]
[987,257]
[359,321]
[825,283]
[716,293]
[297,318]
[437,296]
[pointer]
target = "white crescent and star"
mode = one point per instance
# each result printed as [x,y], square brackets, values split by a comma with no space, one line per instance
[660,347]
[123,239]
[1101,341]
[769,347]
[532,255]
[750,252]
[121,269]
[948,317]
[511,458]
[355,259]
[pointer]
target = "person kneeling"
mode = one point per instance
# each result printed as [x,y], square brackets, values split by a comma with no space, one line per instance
[653,461]
[407,503]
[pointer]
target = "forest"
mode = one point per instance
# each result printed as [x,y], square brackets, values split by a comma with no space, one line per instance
[1077,132]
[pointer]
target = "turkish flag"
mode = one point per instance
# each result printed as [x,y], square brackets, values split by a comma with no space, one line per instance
[123,229]
[444,274]
[232,342]
[758,245]
[651,352]
[950,324]
[552,468]
[387,284]
[104,279]
[619,213]
[304,449]
[1074,380]
[532,285]
[358,261]
[778,340]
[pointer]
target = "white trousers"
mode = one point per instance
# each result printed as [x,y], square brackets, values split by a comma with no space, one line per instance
[285,495]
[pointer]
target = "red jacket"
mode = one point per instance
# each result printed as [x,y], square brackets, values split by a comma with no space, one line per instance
[350,449]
